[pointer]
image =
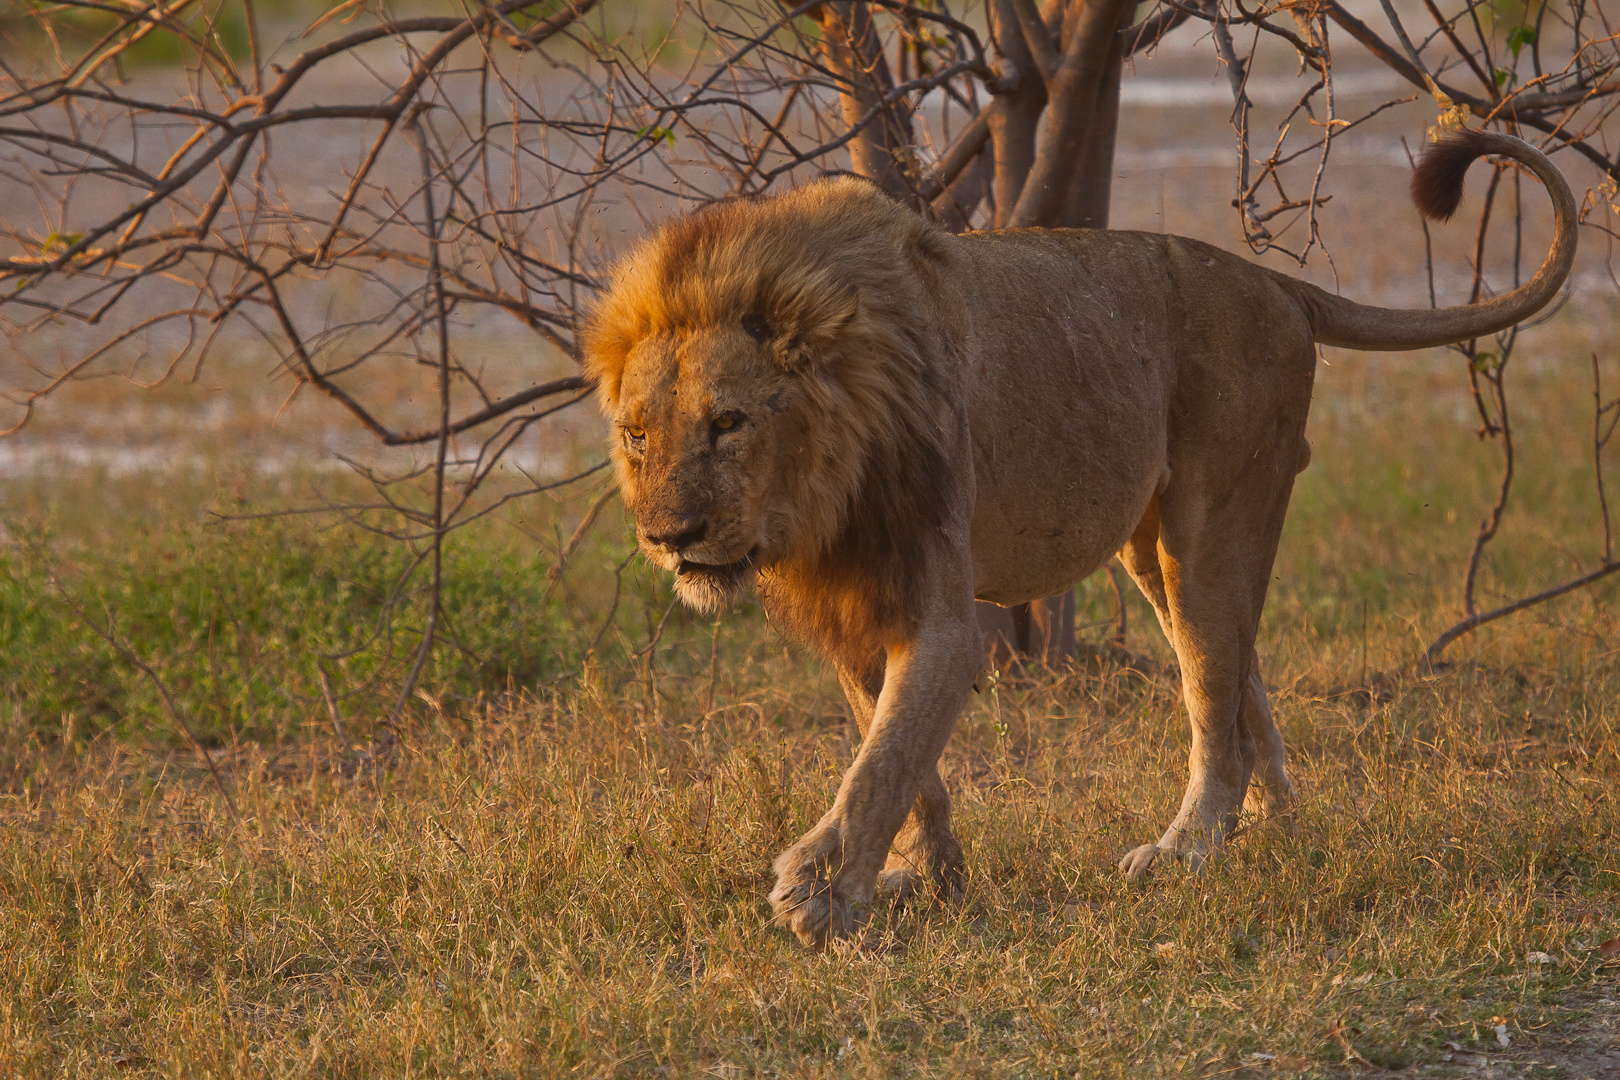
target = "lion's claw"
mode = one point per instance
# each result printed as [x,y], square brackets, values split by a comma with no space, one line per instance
[1138,862]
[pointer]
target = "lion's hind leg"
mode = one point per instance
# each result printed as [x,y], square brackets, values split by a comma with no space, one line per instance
[1203,556]
[1271,792]
[925,857]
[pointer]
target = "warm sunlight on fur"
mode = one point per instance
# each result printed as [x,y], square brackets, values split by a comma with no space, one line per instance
[879,422]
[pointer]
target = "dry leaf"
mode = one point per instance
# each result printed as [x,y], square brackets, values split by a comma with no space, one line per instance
[1609,949]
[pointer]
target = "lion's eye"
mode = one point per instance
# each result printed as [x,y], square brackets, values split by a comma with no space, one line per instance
[757,328]
[637,437]
[727,420]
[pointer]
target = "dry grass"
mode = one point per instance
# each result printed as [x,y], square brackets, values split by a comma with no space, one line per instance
[573,882]
[576,886]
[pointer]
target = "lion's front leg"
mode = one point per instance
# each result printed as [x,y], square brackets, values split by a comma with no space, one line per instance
[926,857]
[825,882]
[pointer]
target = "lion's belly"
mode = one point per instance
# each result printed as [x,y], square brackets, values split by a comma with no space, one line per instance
[1044,546]
[1070,402]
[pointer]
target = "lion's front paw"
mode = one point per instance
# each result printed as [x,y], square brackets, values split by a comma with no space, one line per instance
[1139,861]
[811,897]
[813,911]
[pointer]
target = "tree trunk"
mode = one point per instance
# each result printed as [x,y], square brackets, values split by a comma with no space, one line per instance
[853,51]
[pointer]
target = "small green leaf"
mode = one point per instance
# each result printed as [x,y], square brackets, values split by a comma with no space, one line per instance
[1503,76]
[1519,37]
[59,241]
[656,134]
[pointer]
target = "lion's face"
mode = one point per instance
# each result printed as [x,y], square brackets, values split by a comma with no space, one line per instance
[753,357]
[701,454]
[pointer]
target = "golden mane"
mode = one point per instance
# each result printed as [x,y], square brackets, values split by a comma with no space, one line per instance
[844,278]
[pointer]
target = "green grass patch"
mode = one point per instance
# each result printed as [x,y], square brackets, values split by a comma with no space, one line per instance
[239,617]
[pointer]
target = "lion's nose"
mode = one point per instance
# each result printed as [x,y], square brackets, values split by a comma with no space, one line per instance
[679,533]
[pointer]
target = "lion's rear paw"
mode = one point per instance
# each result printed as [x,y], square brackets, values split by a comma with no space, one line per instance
[905,887]
[901,886]
[812,911]
[1268,801]
[905,880]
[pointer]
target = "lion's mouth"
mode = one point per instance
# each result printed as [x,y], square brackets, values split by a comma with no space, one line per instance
[726,572]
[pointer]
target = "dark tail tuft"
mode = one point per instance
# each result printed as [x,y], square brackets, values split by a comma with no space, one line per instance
[1437,184]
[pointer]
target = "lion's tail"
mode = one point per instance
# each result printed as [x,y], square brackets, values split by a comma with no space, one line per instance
[1437,189]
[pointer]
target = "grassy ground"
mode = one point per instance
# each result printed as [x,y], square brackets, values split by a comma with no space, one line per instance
[564,870]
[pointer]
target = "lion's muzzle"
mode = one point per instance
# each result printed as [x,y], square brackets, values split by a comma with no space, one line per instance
[709,586]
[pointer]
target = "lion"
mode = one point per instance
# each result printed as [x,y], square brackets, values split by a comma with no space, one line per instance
[877,423]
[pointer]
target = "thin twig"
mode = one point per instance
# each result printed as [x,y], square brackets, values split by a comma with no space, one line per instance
[658,632]
[554,575]
[1600,439]
[714,667]
[109,634]
[332,707]
[436,281]
[1474,622]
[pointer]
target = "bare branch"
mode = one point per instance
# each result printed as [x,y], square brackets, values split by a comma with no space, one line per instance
[1475,621]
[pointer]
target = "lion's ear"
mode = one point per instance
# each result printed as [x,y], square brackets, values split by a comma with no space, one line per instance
[817,331]
[794,356]
[603,357]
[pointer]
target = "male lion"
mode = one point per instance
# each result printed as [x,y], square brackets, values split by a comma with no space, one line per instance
[878,422]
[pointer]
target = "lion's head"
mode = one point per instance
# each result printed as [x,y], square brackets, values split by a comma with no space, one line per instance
[753,359]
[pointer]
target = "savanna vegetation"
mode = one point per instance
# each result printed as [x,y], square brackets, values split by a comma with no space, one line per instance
[408,767]
[565,872]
